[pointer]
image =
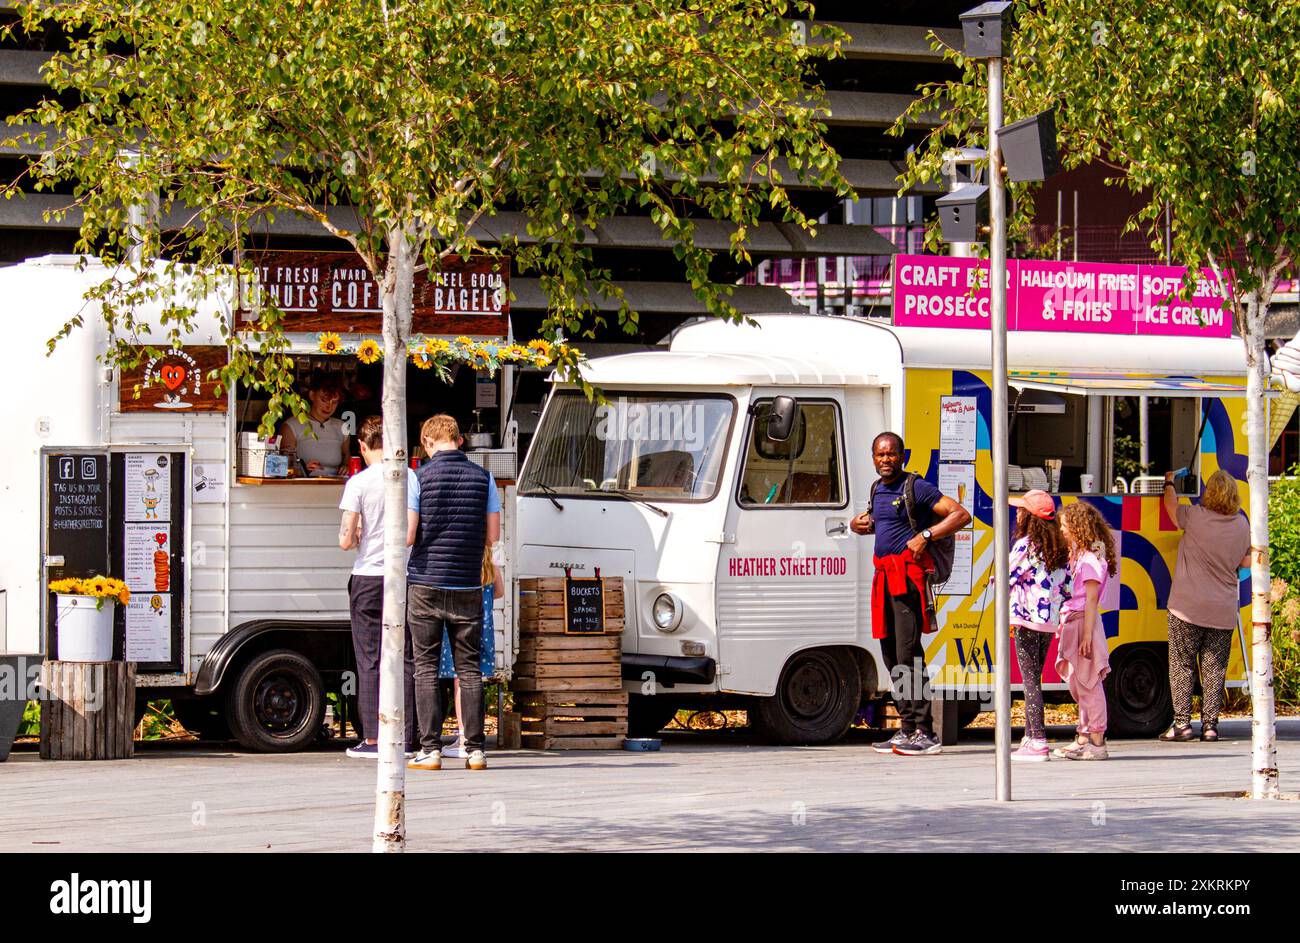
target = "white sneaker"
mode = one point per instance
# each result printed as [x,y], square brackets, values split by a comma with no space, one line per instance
[456,751]
[426,759]
[476,760]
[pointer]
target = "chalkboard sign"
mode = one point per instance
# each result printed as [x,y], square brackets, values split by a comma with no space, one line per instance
[76,520]
[584,605]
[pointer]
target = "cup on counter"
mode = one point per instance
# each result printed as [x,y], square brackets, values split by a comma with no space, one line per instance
[354,465]
[1087,483]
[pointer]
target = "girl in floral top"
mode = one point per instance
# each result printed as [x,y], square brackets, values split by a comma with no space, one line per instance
[1040,584]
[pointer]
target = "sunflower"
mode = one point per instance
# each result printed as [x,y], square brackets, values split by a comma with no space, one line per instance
[329,343]
[480,359]
[541,345]
[464,341]
[65,586]
[97,586]
[124,596]
[369,351]
[422,360]
[436,346]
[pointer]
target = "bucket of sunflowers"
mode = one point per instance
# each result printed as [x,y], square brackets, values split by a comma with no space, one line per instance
[84,621]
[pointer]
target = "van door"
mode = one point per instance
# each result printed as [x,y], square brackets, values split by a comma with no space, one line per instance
[789,579]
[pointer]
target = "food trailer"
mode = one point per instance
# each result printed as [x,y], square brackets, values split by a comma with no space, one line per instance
[744,584]
[239,604]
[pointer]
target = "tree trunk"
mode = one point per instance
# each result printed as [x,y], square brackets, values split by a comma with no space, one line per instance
[390,789]
[1264,777]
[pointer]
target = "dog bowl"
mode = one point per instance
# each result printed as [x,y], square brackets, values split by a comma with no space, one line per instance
[642,744]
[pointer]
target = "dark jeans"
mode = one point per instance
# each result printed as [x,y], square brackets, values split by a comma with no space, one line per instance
[901,648]
[366,602]
[460,612]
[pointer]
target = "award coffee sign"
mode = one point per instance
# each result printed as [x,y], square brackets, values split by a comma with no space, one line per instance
[333,291]
[173,380]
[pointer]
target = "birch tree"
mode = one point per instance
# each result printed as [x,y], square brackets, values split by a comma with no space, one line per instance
[1194,105]
[420,119]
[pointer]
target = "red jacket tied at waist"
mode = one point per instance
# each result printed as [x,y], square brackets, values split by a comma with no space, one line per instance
[895,575]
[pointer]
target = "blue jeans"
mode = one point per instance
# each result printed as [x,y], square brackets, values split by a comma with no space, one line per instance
[430,611]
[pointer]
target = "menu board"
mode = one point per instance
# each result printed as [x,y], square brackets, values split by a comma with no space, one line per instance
[957,481]
[960,579]
[149,492]
[148,487]
[146,557]
[149,627]
[584,605]
[958,426]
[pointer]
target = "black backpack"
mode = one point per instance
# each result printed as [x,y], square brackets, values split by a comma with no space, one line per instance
[941,548]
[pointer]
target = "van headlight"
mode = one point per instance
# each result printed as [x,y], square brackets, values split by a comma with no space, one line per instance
[666,612]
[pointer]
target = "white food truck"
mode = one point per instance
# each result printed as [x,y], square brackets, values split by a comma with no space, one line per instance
[744,584]
[239,608]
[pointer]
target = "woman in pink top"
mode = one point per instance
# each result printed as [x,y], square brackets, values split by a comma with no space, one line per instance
[1083,658]
[1203,599]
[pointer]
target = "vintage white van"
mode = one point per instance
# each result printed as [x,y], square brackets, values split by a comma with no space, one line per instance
[744,584]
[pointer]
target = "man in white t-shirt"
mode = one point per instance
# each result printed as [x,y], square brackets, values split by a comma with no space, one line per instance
[363,529]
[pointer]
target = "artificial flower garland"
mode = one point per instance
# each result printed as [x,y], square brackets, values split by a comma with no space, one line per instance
[436,353]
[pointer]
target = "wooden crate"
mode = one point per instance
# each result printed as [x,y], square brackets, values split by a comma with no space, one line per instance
[585,720]
[569,688]
[89,710]
[541,606]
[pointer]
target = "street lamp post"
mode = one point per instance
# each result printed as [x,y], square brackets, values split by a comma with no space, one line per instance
[985,30]
[1001,517]
[1022,151]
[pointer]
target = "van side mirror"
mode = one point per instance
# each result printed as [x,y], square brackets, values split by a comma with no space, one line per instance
[780,419]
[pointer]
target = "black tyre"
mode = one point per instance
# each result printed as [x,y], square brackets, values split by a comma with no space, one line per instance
[276,703]
[204,717]
[815,702]
[1138,701]
[647,715]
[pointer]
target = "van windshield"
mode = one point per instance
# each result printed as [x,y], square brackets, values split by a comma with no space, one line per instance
[656,445]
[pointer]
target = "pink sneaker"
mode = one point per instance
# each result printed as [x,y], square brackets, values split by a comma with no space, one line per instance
[1030,751]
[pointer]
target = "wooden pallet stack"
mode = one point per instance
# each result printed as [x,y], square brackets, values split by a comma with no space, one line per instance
[568,688]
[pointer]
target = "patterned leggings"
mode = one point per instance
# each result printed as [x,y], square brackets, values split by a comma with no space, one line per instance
[1031,653]
[1186,643]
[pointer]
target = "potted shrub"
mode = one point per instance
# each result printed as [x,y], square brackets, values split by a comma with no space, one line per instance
[84,616]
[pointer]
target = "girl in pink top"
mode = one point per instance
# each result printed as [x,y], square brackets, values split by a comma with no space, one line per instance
[1082,657]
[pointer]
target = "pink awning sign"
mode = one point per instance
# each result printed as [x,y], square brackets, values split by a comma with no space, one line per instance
[1064,297]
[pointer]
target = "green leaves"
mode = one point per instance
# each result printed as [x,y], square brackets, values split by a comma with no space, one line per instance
[428,118]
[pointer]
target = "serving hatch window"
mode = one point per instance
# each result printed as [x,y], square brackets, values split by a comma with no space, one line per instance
[648,444]
[1100,435]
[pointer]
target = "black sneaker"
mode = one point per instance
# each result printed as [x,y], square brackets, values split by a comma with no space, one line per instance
[918,744]
[887,746]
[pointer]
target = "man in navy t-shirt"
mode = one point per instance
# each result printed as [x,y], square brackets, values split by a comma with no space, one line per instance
[898,599]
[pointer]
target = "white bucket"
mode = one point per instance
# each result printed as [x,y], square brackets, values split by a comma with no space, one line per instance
[85,632]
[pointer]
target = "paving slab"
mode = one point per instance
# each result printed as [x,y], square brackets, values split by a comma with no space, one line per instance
[702,792]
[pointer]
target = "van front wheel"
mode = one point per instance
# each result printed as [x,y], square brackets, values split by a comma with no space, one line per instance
[815,701]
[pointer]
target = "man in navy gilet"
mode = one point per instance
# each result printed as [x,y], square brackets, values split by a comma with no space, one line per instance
[444,588]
